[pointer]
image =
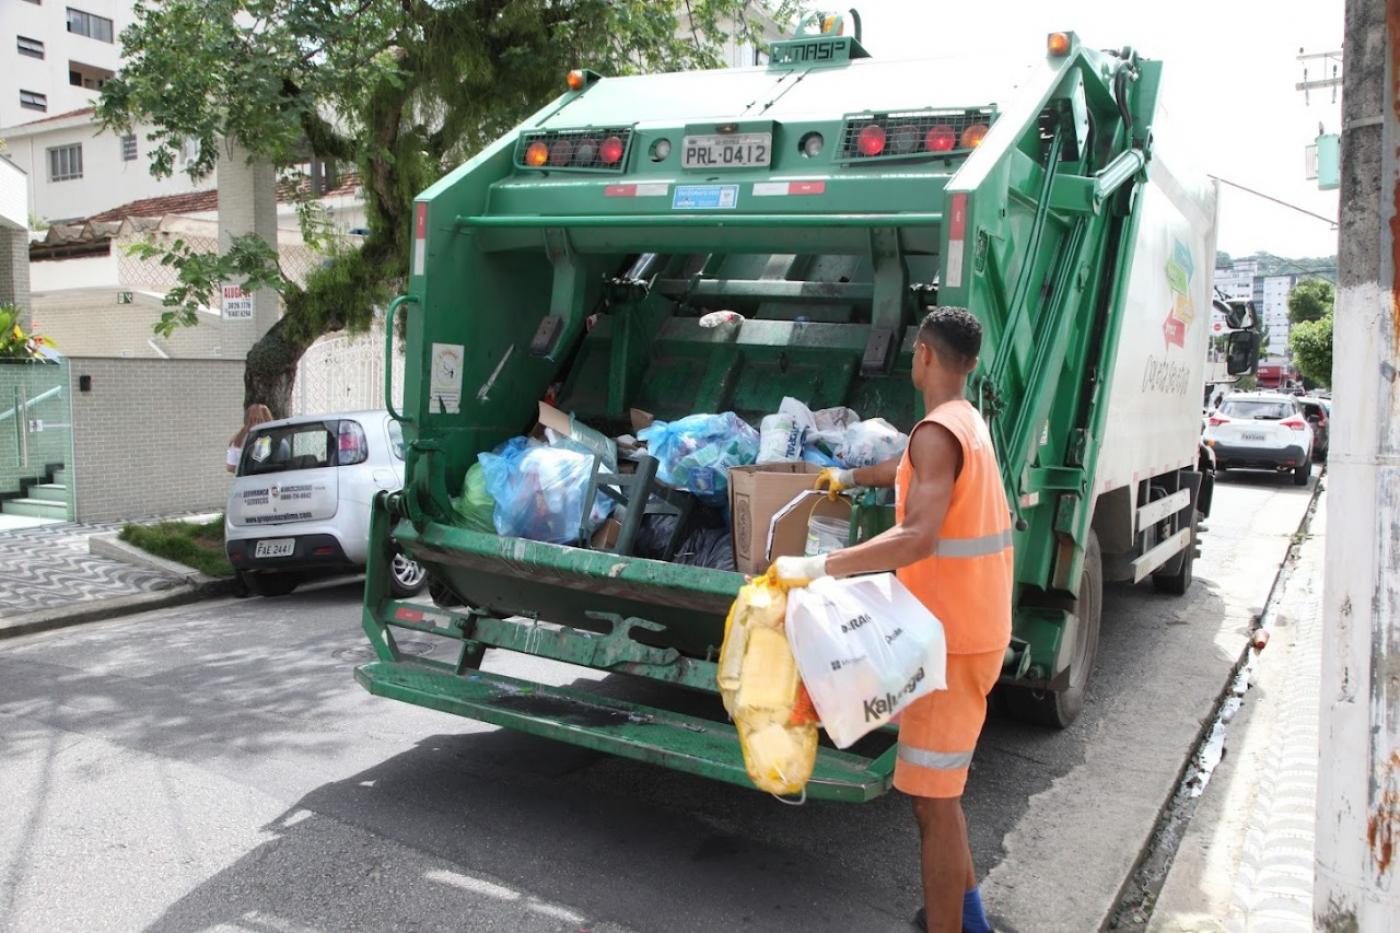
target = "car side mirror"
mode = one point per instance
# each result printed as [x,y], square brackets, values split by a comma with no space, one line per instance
[1243,354]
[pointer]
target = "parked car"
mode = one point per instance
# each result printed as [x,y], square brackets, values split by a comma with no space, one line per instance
[1263,431]
[300,501]
[1319,415]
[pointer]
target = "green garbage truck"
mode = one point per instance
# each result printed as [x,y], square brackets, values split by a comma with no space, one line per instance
[824,201]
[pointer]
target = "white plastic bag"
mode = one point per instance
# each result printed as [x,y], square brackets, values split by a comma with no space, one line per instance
[780,436]
[870,442]
[830,428]
[866,649]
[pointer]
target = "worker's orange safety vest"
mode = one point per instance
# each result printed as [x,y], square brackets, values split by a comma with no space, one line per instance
[966,582]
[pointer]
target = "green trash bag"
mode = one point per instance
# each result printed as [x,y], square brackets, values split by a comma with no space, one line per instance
[475,506]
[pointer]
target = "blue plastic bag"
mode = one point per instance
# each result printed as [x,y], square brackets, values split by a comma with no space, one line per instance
[696,452]
[813,453]
[539,491]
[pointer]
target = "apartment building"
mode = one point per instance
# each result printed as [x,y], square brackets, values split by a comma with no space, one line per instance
[57,54]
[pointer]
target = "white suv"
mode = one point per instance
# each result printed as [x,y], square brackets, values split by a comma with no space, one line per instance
[300,501]
[1262,431]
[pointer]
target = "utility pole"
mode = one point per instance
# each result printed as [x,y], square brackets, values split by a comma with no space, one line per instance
[1357,881]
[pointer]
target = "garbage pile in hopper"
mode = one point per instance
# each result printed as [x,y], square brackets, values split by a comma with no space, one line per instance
[537,486]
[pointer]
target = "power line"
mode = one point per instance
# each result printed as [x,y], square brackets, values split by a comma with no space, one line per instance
[1266,197]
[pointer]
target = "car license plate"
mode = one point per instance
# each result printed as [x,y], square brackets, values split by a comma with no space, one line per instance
[1252,436]
[275,547]
[727,150]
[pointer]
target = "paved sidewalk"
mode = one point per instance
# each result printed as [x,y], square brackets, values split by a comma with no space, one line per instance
[1246,861]
[49,567]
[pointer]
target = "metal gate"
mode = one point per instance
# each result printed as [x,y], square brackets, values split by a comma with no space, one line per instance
[345,373]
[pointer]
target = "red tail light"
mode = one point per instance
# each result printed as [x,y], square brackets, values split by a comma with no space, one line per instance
[940,138]
[611,150]
[1219,419]
[1295,423]
[871,141]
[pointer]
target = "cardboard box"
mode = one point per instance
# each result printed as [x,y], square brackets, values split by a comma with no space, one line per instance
[756,494]
[605,538]
[568,426]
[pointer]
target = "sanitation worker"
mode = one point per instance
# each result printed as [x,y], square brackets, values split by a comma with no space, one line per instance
[951,547]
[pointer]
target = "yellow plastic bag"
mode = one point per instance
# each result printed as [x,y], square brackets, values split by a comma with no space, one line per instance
[761,691]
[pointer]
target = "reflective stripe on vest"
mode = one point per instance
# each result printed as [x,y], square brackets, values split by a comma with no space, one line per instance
[973,547]
[937,761]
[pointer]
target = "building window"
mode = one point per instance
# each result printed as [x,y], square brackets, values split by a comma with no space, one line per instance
[33,100]
[31,47]
[66,162]
[87,76]
[78,79]
[129,147]
[90,25]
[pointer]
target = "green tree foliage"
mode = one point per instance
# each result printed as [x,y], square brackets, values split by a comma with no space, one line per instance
[1311,345]
[1223,260]
[403,89]
[1310,300]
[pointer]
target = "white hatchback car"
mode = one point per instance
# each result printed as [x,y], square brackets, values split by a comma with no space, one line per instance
[300,500]
[1264,431]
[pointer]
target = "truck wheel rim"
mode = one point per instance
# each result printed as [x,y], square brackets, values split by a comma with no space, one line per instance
[406,571]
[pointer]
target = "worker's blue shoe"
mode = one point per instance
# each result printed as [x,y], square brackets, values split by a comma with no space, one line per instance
[974,918]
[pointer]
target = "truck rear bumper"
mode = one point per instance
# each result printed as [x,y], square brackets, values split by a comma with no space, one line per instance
[661,737]
[1265,458]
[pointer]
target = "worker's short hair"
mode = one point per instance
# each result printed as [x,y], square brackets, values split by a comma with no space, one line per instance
[954,334]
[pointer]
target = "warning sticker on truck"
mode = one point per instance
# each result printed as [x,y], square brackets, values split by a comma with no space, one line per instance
[705,197]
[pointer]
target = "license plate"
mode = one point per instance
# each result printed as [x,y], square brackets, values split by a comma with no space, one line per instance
[275,547]
[1251,436]
[727,150]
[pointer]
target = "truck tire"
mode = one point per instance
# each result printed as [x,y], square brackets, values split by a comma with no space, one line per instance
[1176,583]
[272,584]
[1057,709]
[1302,471]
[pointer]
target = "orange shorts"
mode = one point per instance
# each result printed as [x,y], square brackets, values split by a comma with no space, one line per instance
[938,731]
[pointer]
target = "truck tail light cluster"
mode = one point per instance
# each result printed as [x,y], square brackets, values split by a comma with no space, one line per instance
[913,135]
[595,150]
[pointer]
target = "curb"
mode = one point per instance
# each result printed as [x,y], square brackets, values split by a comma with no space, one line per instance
[98,610]
[188,586]
[110,546]
[1136,899]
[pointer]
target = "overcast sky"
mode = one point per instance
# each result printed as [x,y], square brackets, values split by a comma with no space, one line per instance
[1230,67]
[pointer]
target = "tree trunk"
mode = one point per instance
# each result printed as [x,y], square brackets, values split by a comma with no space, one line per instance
[271,369]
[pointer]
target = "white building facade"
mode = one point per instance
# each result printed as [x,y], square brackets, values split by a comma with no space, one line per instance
[56,54]
[76,169]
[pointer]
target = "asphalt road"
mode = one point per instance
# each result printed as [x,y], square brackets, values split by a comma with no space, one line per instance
[215,767]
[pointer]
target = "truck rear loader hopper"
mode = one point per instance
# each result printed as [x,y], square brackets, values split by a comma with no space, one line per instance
[580,252]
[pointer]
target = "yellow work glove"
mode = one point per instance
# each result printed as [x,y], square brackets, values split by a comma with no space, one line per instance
[834,479]
[798,571]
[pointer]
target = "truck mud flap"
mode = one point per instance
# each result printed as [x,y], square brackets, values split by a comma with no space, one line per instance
[660,737]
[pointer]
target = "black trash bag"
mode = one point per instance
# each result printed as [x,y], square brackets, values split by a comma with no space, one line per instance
[705,541]
[708,547]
